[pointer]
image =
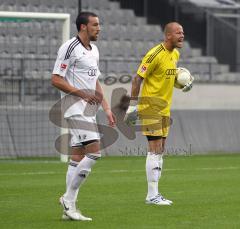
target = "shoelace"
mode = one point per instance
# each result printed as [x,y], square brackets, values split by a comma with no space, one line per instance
[160,196]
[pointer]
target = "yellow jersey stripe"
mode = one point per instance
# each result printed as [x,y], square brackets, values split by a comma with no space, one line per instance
[155,53]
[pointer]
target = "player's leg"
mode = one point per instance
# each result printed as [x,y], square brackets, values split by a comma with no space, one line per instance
[152,166]
[78,136]
[154,163]
[72,165]
[156,136]
[75,155]
[152,129]
[85,150]
[91,153]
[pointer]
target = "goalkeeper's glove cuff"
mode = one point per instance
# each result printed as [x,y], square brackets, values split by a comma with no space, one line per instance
[133,102]
[188,86]
[131,109]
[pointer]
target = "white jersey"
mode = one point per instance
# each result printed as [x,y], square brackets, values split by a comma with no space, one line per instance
[79,67]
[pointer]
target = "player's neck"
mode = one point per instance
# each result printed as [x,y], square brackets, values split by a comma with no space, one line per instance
[168,46]
[85,41]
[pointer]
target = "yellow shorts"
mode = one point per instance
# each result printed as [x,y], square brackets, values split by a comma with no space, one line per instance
[155,127]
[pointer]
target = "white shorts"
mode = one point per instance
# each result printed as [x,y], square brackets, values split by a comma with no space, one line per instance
[82,129]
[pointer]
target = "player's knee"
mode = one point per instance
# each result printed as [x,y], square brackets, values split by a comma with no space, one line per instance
[77,157]
[158,149]
[94,156]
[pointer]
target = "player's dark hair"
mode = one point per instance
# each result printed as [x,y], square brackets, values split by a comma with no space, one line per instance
[83,18]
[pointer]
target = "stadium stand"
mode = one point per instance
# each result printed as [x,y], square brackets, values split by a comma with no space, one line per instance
[221,4]
[123,36]
[120,30]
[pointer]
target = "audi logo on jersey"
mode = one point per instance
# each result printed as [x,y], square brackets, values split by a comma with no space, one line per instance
[92,72]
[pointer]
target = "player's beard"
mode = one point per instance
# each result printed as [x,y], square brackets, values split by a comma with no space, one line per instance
[92,38]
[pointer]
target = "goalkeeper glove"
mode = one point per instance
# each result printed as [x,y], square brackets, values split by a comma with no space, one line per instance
[131,115]
[189,85]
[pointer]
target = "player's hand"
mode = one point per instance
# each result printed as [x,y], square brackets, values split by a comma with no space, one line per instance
[131,115]
[188,86]
[92,99]
[111,118]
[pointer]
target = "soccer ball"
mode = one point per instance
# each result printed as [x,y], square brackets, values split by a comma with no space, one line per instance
[183,77]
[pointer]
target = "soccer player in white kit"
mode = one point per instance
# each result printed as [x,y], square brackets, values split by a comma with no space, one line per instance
[76,72]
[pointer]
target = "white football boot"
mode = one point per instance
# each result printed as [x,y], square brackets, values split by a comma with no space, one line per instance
[71,212]
[65,217]
[165,199]
[158,200]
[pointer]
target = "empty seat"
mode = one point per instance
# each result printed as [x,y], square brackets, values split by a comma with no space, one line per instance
[123,17]
[114,32]
[113,5]
[9,5]
[104,49]
[128,49]
[116,49]
[73,4]
[140,21]
[133,67]
[128,32]
[186,51]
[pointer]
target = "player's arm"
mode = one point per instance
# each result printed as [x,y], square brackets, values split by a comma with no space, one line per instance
[136,85]
[60,83]
[144,70]
[105,106]
[131,113]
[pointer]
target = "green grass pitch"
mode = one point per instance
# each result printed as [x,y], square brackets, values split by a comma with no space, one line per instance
[205,191]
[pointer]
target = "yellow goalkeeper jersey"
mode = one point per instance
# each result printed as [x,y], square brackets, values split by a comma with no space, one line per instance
[158,68]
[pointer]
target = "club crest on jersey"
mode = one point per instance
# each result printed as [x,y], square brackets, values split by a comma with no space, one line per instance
[63,67]
[143,69]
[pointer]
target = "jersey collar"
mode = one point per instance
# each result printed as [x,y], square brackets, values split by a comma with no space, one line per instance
[83,44]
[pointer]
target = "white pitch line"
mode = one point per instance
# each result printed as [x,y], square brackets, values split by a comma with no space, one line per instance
[116,171]
[30,161]
[29,173]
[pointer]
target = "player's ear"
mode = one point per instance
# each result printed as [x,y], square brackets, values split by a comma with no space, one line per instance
[83,27]
[169,35]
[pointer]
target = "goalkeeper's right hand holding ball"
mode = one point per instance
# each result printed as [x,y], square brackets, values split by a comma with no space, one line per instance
[131,115]
[189,85]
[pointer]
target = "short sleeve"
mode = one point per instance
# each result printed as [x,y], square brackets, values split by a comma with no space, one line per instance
[147,65]
[63,62]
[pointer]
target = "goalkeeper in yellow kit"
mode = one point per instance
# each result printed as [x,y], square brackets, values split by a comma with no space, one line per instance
[157,72]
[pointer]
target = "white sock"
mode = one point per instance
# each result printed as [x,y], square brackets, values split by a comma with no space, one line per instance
[160,164]
[81,172]
[70,173]
[153,162]
[71,169]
